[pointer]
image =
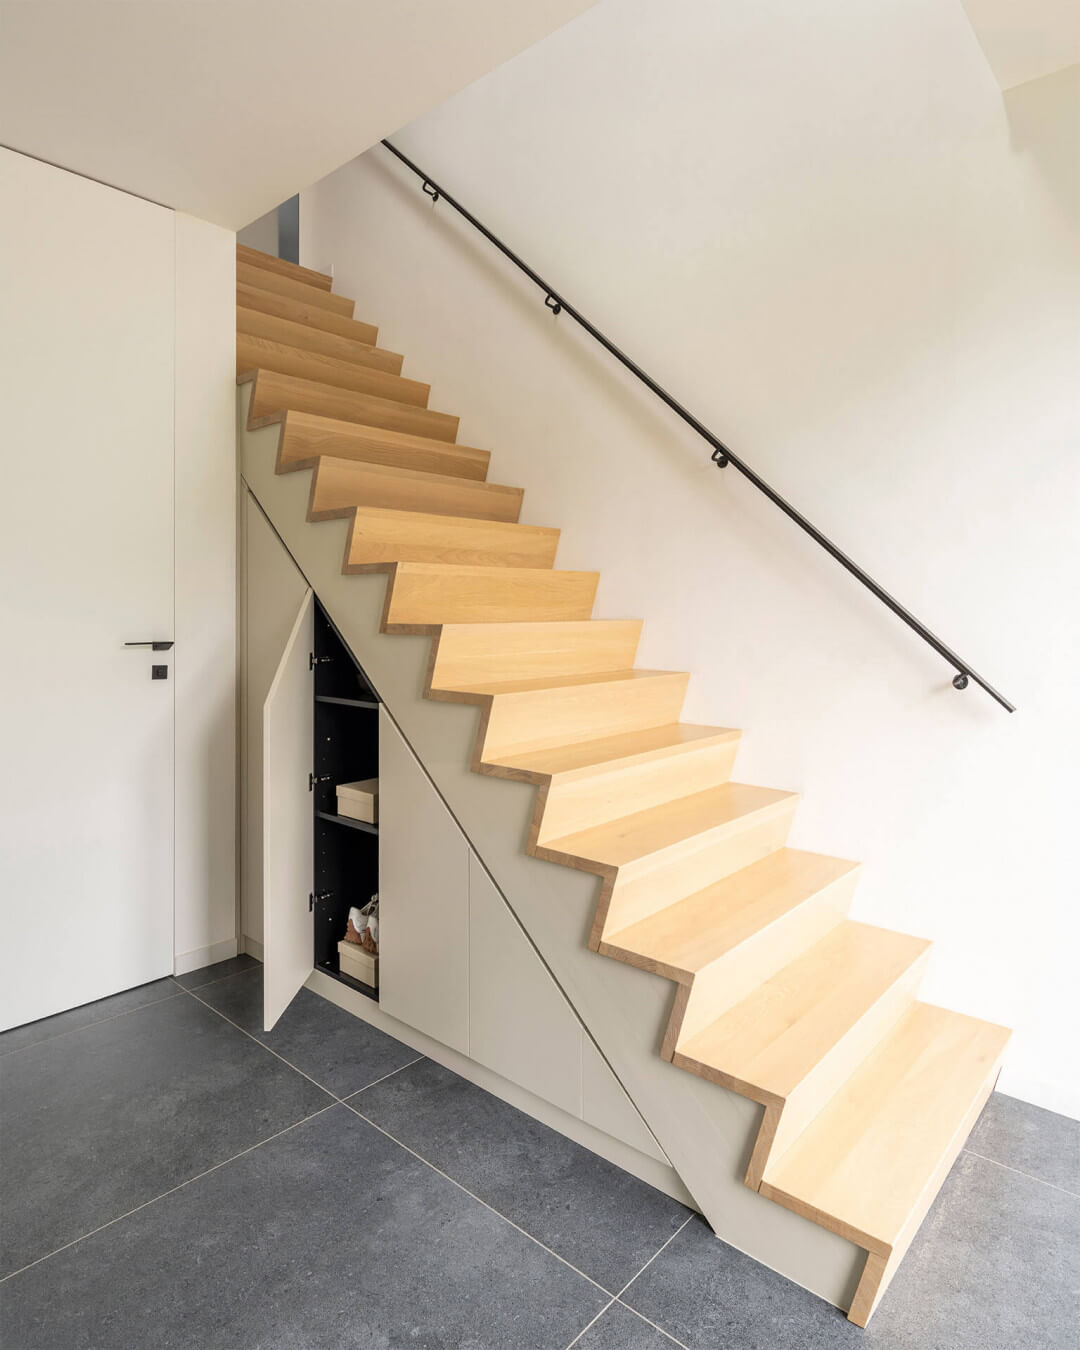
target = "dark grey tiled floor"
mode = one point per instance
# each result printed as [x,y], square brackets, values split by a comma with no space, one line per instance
[1041,1143]
[20,1037]
[195,979]
[108,1117]
[341,1053]
[173,1184]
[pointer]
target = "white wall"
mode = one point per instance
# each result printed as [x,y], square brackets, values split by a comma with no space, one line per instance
[206,626]
[830,235]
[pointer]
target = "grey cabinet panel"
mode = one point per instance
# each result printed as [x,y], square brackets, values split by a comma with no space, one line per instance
[520,1024]
[423,899]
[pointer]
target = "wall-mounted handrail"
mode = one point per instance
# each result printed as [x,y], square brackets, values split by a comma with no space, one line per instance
[722,456]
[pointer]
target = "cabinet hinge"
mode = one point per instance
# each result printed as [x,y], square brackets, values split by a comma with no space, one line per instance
[314,899]
[313,660]
[312,780]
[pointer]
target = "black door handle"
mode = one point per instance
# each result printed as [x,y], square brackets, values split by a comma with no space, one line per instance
[154,646]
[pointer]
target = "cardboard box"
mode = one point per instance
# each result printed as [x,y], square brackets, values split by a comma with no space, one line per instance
[359,801]
[361,965]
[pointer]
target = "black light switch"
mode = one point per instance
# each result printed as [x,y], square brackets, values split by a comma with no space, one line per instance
[159,672]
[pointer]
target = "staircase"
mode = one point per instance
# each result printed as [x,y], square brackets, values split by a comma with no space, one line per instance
[867,1093]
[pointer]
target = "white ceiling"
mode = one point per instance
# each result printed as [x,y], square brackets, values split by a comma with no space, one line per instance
[1026,39]
[223,108]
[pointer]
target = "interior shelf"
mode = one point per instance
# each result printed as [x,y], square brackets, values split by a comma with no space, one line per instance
[358,985]
[346,750]
[348,820]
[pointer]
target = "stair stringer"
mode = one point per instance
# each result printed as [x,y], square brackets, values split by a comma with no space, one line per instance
[706,1130]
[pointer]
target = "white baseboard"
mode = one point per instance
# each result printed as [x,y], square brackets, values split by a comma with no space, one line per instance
[184,962]
[251,946]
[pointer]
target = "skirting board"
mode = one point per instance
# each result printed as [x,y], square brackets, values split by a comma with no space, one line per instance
[646,1169]
[184,962]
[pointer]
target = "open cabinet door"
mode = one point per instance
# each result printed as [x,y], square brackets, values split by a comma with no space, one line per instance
[288,729]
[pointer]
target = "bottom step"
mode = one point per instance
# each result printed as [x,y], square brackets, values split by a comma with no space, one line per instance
[869,1166]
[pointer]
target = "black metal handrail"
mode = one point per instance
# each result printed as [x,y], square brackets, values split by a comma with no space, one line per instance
[722,456]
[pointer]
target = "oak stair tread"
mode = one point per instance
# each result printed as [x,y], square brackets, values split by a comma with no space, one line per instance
[276,392]
[773,1038]
[270,262]
[691,934]
[870,1163]
[519,651]
[425,595]
[293,333]
[381,535]
[254,352]
[342,483]
[633,837]
[532,686]
[629,747]
[297,309]
[276,284]
[306,436]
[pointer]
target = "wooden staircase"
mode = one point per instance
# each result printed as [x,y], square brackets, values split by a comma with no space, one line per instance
[868,1094]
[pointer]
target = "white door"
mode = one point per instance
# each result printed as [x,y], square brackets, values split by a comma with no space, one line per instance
[288,820]
[86,511]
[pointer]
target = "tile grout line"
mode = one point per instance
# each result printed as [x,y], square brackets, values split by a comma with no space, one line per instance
[618,1297]
[357,1112]
[345,1100]
[610,1303]
[498,1214]
[655,1325]
[1019,1171]
[171,1191]
[245,970]
[47,1040]
[263,1044]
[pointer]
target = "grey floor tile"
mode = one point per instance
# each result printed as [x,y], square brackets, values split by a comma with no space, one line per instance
[86,1015]
[1031,1139]
[329,1237]
[994,1267]
[708,1295]
[106,1118]
[621,1329]
[341,1052]
[604,1221]
[195,979]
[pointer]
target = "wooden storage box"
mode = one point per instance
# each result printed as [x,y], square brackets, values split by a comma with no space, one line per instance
[359,801]
[361,965]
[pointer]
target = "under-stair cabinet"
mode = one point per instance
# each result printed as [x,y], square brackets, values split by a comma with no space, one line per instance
[457,976]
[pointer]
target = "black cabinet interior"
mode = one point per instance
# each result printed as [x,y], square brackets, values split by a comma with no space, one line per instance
[346,862]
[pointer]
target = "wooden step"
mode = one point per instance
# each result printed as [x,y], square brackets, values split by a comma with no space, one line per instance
[256,258]
[256,353]
[256,324]
[869,1165]
[275,393]
[793,1041]
[315,296]
[582,801]
[380,536]
[469,654]
[585,758]
[528,715]
[654,857]
[300,311]
[423,595]
[720,943]
[343,483]
[307,436]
